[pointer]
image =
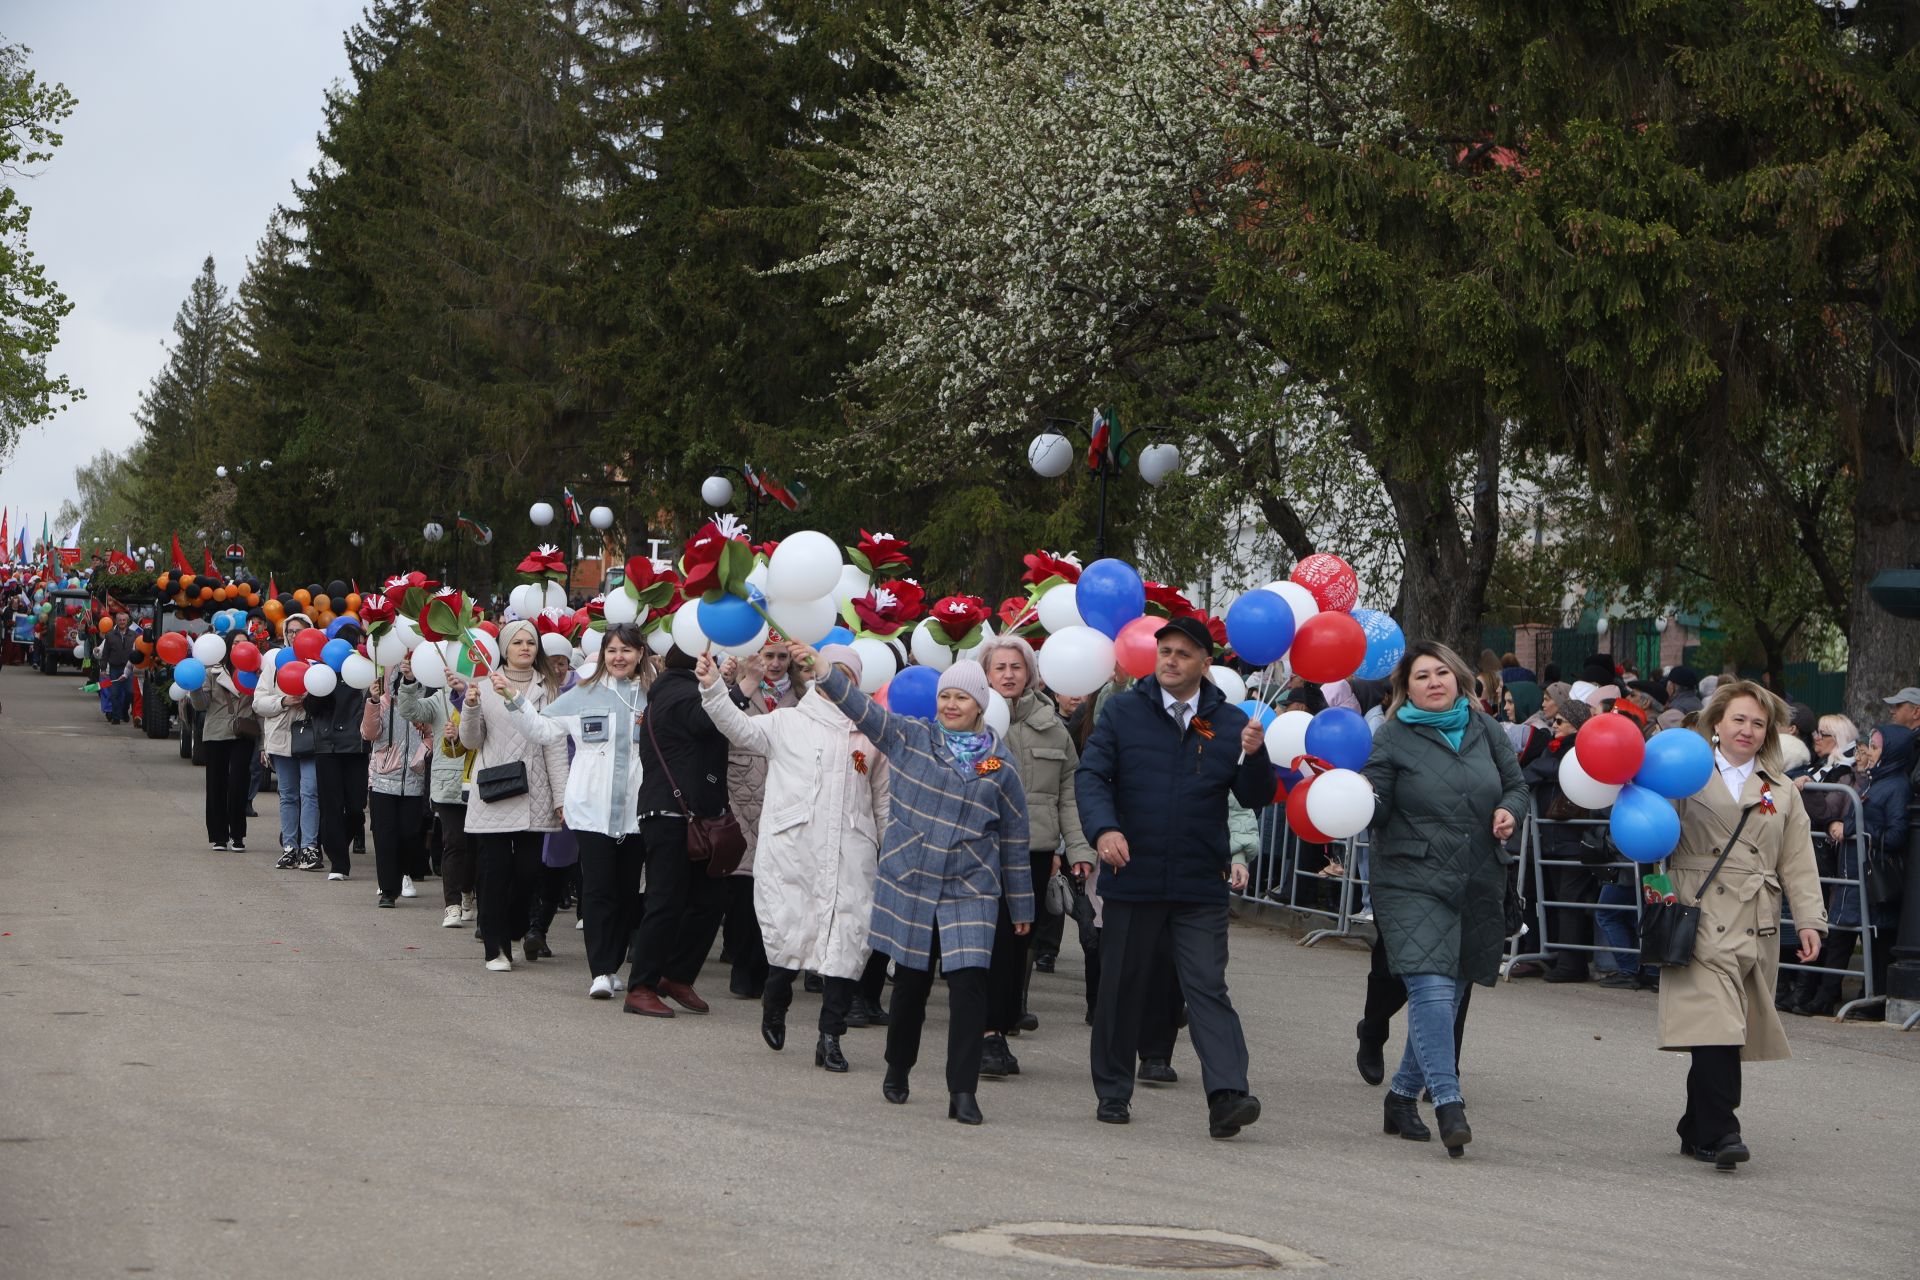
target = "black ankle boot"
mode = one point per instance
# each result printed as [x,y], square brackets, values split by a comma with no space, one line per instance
[894,1087]
[1370,1058]
[1454,1133]
[964,1109]
[773,1026]
[1403,1118]
[827,1054]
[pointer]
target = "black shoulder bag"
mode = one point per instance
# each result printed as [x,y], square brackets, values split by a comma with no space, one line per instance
[718,842]
[1668,929]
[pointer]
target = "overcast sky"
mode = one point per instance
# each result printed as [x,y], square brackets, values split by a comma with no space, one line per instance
[194,119]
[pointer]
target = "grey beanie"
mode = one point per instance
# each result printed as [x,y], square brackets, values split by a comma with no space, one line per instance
[842,655]
[969,678]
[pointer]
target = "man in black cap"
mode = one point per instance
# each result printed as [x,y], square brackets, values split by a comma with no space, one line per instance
[1152,788]
[1683,691]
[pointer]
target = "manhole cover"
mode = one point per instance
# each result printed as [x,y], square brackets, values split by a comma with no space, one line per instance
[1131,1248]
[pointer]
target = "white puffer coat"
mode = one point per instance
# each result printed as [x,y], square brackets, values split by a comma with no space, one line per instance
[819,842]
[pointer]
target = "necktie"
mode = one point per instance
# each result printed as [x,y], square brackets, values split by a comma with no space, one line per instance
[1180,710]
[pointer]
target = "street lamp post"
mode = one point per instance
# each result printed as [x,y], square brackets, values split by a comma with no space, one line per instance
[1051,455]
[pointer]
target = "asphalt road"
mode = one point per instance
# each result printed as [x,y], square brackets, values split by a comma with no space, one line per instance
[210,1068]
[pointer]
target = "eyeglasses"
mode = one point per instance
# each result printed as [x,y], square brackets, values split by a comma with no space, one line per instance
[1561,720]
[1821,733]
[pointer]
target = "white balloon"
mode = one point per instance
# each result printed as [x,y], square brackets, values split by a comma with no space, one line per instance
[621,607]
[929,652]
[525,599]
[1059,608]
[553,642]
[391,647]
[210,649]
[556,596]
[1340,803]
[1581,788]
[1300,600]
[1287,738]
[687,635]
[805,566]
[80,650]
[852,583]
[488,646]
[587,668]
[591,640]
[430,666]
[358,672]
[807,621]
[321,680]
[409,633]
[747,648]
[175,693]
[999,713]
[1228,682]
[660,640]
[1076,661]
[877,665]
[1050,454]
[986,638]
[757,577]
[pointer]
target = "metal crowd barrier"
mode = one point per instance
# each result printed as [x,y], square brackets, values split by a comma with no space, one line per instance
[1275,877]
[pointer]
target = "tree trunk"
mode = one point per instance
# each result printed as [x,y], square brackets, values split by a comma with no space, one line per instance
[1883,652]
[1445,570]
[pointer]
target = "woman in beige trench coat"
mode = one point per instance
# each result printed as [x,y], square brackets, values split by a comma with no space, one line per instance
[1720,1007]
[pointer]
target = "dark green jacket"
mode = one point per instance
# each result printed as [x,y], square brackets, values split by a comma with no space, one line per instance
[1439,876]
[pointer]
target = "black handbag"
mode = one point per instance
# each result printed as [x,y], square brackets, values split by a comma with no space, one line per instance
[501,781]
[1886,879]
[1668,929]
[304,738]
[718,842]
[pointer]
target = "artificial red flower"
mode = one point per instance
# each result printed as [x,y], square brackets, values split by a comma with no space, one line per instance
[1167,601]
[884,610]
[415,580]
[701,561]
[595,610]
[882,551]
[553,622]
[1017,612]
[544,561]
[377,609]
[959,615]
[1217,628]
[765,550]
[446,615]
[1042,565]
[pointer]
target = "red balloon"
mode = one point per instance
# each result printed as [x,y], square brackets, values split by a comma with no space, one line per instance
[1328,647]
[884,693]
[244,656]
[1331,580]
[1610,748]
[292,677]
[1135,649]
[1297,815]
[308,644]
[491,628]
[173,646]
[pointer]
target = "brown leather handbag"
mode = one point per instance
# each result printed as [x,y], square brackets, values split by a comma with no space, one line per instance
[718,842]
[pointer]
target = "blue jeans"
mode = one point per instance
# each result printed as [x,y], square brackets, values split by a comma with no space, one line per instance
[299,801]
[119,695]
[1432,999]
[1617,928]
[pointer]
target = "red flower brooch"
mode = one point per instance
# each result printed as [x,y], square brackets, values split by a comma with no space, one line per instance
[988,766]
[859,762]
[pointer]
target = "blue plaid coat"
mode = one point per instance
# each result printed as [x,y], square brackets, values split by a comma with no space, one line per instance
[956,840]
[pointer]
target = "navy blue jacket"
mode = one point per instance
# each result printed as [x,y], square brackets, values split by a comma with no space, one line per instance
[1166,792]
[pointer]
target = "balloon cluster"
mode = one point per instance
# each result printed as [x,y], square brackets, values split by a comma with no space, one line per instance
[1613,765]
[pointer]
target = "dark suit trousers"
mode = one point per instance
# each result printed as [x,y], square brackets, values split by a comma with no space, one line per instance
[1129,935]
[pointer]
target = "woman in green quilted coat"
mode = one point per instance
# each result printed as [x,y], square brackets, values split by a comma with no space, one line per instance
[1448,793]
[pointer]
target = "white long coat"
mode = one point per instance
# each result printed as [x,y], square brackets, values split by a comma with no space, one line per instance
[819,842]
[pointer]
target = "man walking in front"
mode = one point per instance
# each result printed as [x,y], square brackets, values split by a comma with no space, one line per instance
[1152,788]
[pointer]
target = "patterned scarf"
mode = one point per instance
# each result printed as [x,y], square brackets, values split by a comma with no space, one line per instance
[773,690]
[969,748]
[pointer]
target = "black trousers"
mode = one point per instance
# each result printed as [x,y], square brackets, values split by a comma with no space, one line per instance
[661,943]
[228,764]
[699,925]
[1012,959]
[740,926]
[1387,995]
[341,780]
[399,839]
[1049,931]
[456,853]
[609,897]
[1713,1095]
[554,884]
[509,881]
[835,1001]
[966,1021]
[1160,1014]
[1129,936]
[873,979]
[1571,925]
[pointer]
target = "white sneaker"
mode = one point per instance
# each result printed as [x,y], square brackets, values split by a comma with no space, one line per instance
[406,888]
[452,919]
[602,988]
[499,964]
[469,909]
[580,923]
[619,983]
[336,875]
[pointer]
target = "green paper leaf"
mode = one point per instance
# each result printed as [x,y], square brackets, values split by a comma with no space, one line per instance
[938,632]
[855,557]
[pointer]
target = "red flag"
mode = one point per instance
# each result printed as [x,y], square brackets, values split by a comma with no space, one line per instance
[767,487]
[212,571]
[1097,452]
[6,536]
[180,564]
[273,592]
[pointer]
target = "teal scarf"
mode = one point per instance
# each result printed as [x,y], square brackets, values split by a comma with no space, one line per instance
[1452,723]
[969,748]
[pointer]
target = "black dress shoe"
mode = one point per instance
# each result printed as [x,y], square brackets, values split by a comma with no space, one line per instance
[1113,1111]
[536,947]
[1043,963]
[1370,1058]
[773,1028]
[1157,1071]
[1403,1118]
[827,1054]
[1229,1111]
[963,1108]
[1028,1022]
[857,1015]
[1724,1154]
[894,1088]
[1454,1133]
[993,1057]
[1565,975]
[740,988]
[814,982]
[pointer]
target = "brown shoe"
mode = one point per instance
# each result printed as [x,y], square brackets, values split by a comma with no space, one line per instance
[683,995]
[647,1003]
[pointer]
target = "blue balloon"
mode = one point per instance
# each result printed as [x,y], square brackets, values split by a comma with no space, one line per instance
[915,692]
[336,652]
[246,679]
[1259,627]
[1386,643]
[1109,595]
[282,656]
[189,673]
[222,623]
[1645,826]
[338,625]
[1339,735]
[729,621]
[1258,711]
[1678,763]
[839,635]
